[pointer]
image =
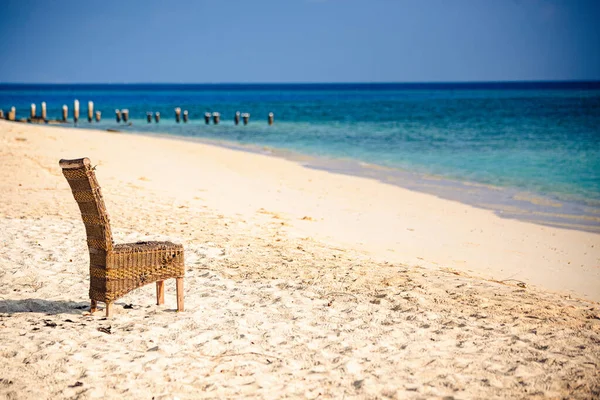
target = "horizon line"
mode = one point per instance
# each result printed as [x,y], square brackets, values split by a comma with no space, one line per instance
[311,83]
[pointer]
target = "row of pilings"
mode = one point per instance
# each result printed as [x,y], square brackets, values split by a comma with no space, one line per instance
[215,117]
[122,115]
[11,115]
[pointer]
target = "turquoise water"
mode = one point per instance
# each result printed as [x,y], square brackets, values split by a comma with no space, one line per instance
[539,138]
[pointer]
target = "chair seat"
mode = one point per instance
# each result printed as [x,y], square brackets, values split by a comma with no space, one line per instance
[146,247]
[149,261]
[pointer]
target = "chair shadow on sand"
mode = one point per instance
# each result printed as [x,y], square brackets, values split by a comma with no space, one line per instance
[49,307]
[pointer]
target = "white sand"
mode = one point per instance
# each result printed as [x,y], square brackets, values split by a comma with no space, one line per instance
[299,283]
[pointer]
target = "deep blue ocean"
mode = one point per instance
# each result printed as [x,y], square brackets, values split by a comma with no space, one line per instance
[531,143]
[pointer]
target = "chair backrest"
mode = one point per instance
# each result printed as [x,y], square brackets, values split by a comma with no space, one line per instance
[85,188]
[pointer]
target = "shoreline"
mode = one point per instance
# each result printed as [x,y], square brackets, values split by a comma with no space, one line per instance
[505,201]
[386,221]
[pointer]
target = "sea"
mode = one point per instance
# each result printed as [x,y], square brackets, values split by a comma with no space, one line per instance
[525,150]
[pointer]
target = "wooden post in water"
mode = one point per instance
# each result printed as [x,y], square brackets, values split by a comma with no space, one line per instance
[216,118]
[118,115]
[149,117]
[271,118]
[185,115]
[44,110]
[90,111]
[12,114]
[98,115]
[1,114]
[125,115]
[65,113]
[177,114]
[207,118]
[157,117]
[76,111]
[236,119]
[245,118]
[32,113]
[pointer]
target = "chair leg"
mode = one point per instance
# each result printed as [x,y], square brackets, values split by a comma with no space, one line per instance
[179,282]
[93,306]
[109,310]
[160,292]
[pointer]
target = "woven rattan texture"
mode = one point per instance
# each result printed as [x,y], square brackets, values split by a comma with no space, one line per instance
[115,270]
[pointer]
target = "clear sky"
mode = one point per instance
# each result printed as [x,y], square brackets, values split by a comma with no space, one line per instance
[69,41]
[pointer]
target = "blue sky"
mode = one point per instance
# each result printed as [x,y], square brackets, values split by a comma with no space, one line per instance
[200,41]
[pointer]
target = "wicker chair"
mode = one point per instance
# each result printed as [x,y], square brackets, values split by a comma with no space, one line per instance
[117,269]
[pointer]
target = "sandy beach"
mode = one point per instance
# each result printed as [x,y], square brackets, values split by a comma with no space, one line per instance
[299,283]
